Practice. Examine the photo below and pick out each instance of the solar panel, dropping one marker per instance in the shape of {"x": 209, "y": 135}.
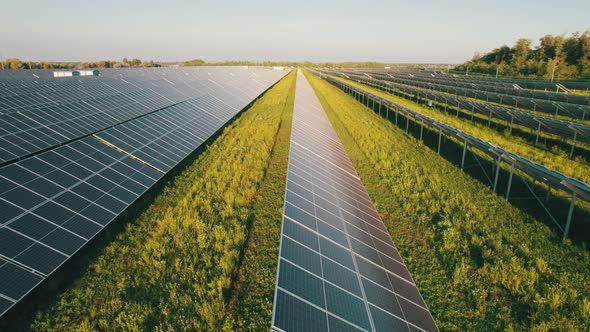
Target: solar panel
{"x": 54, "y": 202}
{"x": 164, "y": 138}
{"x": 338, "y": 267}
{"x": 60, "y": 199}
{"x": 37, "y": 114}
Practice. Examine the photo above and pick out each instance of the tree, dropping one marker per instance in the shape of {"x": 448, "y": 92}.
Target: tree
{"x": 135, "y": 63}
{"x": 195, "y": 62}
{"x": 555, "y": 56}
{"x": 521, "y": 52}
{"x": 13, "y": 64}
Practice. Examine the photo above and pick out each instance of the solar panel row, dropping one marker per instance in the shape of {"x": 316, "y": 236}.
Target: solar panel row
{"x": 54, "y": 202}
{"x": 338, "y": 267}
{"x": 505, "y": 88}
{"x": 574, "y": 111}
{"x": 35, "y": 117}
{"x": 478, "y": 91}
{"x": 536, "y": 123}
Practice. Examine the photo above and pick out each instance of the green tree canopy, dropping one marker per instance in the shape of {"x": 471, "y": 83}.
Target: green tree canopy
{"x": 558, "y": 56}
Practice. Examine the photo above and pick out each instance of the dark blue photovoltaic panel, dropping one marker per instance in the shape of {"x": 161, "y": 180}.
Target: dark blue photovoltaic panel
{"x": 337, "y": 261}
{"x": 41, "y": 113}
{"x": 77, "y": 152}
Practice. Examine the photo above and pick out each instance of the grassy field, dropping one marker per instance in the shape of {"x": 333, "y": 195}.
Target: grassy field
{"x": 250, "y": 308}
{"x": 481, "y": 264}
{"x": 173, "y": 267}
{"x": 555, "y": 158}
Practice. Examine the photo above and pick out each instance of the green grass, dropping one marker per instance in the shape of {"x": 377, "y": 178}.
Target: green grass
{"x": 556, "y": 159}
{"x": 250, "y": 308}
{"x": 481, "y": 264}
{"x": 580, "y": 92}
{"x": 172, "y": 268}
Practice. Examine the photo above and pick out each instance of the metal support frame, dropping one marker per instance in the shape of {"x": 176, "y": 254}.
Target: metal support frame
{"x": 569, "y": 216}
{"x": 439, "y": 139}
{"x": 573, "y": 145}
{"x": 510, "y": 181}
{"x": 421, "y": 129}
{"x": 497, "y": 172}
{"x": 463, "y": 157}
{"x": 538, "y": 133}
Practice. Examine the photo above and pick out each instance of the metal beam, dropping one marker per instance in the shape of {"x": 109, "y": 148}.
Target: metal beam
{"x": 464, "y": 153}
{"x": 439, "y": 139}
{"x": 569, "y": 216}
{"x": 509, "y": 181}
{"x": 497, "y": 172}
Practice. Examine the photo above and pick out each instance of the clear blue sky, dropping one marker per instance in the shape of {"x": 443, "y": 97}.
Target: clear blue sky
{"x": 333, "y": 30}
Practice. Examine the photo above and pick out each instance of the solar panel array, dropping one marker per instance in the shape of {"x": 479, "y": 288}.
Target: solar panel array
{"x": 40, "y": 113}
{"x": 338, "y": 267}
{"x": 499, "y": 87}
{"x": 527, "y": 83}
{"x": 535, "y": 170}
{"x": 580, "y": 110}
{"x": 535, "y": 122}
{"x": 118, "y": 143}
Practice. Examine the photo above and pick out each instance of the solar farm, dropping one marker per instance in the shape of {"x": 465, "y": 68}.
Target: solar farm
{"x": 293, "y": 199}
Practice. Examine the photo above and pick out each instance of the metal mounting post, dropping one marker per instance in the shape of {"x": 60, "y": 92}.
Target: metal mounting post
{"x": 439, "y": 139}
{"x": 569, "y": 216}
{"x": 421, "y": 129}
{"x": 509, "y": 181}
{"x": 538, "y": 133}
{"x": 573, "y": 145}
{"x": 464, "y": 153}
{"x": 497, "y": 173}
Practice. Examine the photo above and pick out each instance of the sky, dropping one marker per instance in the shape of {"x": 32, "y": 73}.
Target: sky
{"x": 392, "y": 31}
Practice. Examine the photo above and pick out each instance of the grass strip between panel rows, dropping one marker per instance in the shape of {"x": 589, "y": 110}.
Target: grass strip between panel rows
{"x": 250, "y": 308}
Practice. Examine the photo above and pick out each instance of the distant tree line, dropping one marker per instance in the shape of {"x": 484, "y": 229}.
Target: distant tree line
{"x": 556, "y": 57}
{"x": 20, "y": 64}
{"x": 369, "y": 64}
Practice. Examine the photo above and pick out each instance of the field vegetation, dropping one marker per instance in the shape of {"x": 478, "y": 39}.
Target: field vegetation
{"x": 250, "y": 307}
{"x": 480, "y": 263}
